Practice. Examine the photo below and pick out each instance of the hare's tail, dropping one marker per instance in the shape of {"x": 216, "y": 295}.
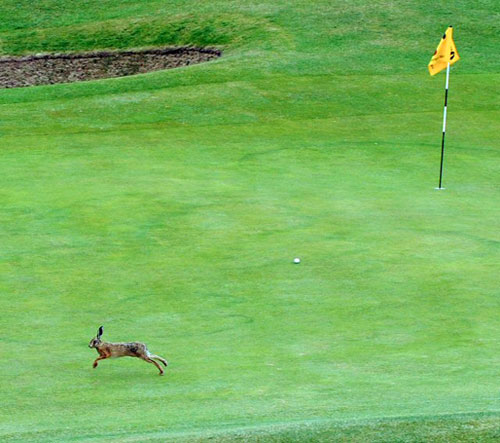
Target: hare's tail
{"x": 157, "y": 357}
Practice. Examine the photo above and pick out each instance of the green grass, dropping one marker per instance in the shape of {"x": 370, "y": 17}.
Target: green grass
{"x": 169, "y": 207}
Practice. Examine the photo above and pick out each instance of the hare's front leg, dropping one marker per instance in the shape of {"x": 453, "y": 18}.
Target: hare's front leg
{"x": 101, "y": 357}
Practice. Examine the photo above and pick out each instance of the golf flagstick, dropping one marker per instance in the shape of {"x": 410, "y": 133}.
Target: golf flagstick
{"x": 444, "y": 56}
{"x": 444, "y": 126}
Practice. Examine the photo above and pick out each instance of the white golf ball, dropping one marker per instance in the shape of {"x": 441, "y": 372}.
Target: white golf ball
{"x": 296, "y": 260}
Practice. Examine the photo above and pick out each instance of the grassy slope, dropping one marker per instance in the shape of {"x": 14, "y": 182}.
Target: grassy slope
{"x": 169, "y": 206}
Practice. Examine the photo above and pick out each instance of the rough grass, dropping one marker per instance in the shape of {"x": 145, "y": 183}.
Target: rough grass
{"x": 169, "y": 207}
{"x": 179, "y": 30}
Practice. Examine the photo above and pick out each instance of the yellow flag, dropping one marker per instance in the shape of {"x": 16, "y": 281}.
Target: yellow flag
{"x": 446, "y": 52}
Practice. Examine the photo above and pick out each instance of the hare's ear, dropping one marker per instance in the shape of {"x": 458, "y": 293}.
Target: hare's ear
{"x": 99, "y": 333}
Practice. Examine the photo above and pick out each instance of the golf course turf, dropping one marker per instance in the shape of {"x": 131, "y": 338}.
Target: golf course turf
{"x": 169, "y": 207}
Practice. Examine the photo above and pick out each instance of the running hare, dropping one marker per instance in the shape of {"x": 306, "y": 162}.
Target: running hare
{"x": 114, "y": 350}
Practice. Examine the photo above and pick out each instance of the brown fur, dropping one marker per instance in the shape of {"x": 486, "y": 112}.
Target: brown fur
{"x": 115, "y": 350}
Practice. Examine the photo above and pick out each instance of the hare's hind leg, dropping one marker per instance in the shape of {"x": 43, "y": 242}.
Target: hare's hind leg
{"x": 157, "y": 357}
{"x": 149, "y": 360}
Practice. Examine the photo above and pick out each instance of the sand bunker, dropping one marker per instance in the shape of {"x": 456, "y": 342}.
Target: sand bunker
{"x": 47, "y": 69}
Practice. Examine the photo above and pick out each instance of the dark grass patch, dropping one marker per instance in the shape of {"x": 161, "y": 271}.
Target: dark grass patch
{"x": 44, "y": 69}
